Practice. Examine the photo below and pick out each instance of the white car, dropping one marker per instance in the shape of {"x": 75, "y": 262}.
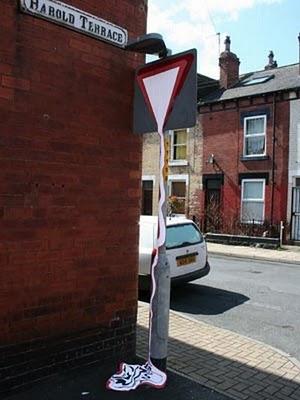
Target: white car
{"x": 185, "y": 247}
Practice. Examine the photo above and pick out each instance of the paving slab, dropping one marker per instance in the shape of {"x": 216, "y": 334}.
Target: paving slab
{"x": 227, "y": 362}
{"x": 89, "y": 384}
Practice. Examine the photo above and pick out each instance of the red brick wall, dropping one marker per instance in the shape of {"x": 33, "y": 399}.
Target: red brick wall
{"x": 223, "y": 137}
{"x": 70, "y": 175}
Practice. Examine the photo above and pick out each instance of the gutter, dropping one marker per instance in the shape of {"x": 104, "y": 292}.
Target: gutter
{"x": 252, "y": 96}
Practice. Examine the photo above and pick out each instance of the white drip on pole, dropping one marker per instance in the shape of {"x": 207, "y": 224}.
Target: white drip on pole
{"x": 130, "y": 376}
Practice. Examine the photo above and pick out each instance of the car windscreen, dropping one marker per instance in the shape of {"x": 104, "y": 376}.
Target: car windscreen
{"x": 182, "y": 235}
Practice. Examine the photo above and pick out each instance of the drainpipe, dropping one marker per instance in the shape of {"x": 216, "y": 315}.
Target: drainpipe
{"x": 239, "y": 137}
{"x": 273, "y": 157}
{"x": 299, "y": 51}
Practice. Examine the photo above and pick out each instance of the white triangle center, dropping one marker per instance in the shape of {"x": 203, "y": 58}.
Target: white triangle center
{"x": 159, "y": 88}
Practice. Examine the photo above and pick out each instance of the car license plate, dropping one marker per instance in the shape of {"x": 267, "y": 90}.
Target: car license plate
{"x": 186, "y": 260}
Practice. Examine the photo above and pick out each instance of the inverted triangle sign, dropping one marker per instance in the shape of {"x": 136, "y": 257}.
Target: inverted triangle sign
{"x": 159, "y": 89}
{"x": 161, "y": 83}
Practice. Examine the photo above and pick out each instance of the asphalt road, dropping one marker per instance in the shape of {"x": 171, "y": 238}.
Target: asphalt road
{"x": 257, "y": 299}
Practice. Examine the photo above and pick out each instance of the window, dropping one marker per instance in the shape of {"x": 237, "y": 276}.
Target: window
{"x": 256, "y": 80}
{"x": 147, "y": 197}
{"x": 182, "y": 235}
{"x": 177, "y": 193}
{"x": 255, "y": 136}
{"x": 179, "y": 145}
{"x": 253, "y": 200}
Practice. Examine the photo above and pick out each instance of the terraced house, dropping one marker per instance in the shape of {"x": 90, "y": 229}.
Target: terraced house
{"x": 247, "y": 124}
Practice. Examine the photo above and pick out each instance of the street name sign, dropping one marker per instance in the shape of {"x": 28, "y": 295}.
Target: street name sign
{"x": 78, "y": 20}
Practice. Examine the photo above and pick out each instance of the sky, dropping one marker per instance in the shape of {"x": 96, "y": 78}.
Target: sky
{"x": 255, "y": 27}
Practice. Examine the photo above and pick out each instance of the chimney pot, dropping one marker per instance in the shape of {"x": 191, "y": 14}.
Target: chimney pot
{"x": 227, "y": 43}
{"x": 272, "y": 63}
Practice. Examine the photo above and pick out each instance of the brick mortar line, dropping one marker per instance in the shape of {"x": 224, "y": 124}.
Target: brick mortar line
{"x": 293, "y": 360}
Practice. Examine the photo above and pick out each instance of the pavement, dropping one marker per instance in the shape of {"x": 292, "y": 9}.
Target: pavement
{"x": 286, "y": 254}
{"x": 229, "y": 363}
{"x": 204, "y": 362}
{"x": 88, "y": 383}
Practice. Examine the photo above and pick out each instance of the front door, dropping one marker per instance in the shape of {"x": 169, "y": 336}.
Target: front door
{"x": 213, "y": 217}
{"x": 295, "y": 231}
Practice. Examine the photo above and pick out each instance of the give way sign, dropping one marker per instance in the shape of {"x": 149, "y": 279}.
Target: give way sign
{"x": 165, "y": 94}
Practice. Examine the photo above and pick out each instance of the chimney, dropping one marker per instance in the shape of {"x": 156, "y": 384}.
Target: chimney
{"x": 272, "y": 63}
{"x": 229, "y": 67}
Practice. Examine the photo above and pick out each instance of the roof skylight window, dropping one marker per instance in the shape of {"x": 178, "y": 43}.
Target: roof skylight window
{"x": 257, "y": 79}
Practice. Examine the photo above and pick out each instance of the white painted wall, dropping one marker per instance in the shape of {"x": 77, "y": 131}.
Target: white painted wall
{"x": 294, "y": 150}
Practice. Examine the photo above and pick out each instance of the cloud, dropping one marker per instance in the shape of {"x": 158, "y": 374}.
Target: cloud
{"x": 229, "y": 9}
{"x": 192, "y": 23}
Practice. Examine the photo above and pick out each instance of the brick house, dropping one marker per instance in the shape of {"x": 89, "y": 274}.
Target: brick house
{"x": 70, "y": 192}
{"x": 246, "y": 127}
